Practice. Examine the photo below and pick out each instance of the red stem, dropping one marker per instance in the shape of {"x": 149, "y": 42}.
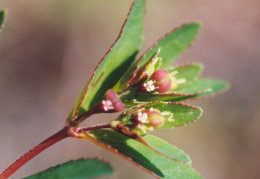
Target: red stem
{"x": 98, "y": 126}
{"x": 62, "y": 134}
{"x": 82, "y": 117}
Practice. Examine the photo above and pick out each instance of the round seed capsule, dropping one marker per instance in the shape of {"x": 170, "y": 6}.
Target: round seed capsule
{"x": 155, "y": 119}
{"x": 162, "y": 80}
{"x": 116, "y": 102}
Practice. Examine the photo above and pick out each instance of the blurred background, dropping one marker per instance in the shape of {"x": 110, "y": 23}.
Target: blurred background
{"x": 48, "y": 50}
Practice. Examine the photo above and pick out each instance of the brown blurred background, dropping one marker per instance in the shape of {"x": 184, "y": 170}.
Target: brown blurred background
{"x": 48, "y": 50}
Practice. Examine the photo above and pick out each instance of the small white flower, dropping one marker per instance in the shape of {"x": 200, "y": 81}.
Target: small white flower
{"x": 149, "y": 86}
{"x": 107, "y": 105}
{"x": 143, "y": 117}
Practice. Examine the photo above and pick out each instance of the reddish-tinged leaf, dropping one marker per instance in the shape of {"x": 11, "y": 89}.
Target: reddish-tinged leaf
{"x": 206, "y": 87}
{"x": 115, "y": 62}
{"x": 142, "y": 156}
{"x": 169, "y": 47}
{"x": 156, "y": 144}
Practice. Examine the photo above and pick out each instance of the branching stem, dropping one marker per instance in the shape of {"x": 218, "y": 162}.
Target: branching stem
{"x": 98, "y": 126}
{"x": 85, "y": 115}
{"x": 62, "y": 134}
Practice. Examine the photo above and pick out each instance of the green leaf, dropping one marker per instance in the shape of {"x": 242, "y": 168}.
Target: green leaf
{"x": 199, "y": 88}
{"x": 78, "y": 169}
{"x": 142, "y": 156}
{"x": 2, "y": 18}
{"x": 179, "y": 114}
{"x": 166, "y": 148}
{"x": 175, "y": 114}
{"x": 189, "y": 72}
{"x": 173, "y": 44}
{"x": 114, "y": 64}
{"x": 206, "y": 87}
{"x": 148, "y": 97}
{"x": 169, "y": 47}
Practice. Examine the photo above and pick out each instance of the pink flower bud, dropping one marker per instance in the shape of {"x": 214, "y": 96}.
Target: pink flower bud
{"x": 162, "y": 80}
{"x": 116, "y": 102}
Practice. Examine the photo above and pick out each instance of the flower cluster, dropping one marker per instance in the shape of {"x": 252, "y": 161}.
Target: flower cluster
{"x": 150, "y": 79}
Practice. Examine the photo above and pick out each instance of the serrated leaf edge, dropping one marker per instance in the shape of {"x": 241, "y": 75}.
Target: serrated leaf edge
{"x": 191, "y": 106}
{"x": 140, "y": 139}
{"x": 111, "y": 47}
{"x": 115, "y": 151}
{"x": 225, "y": 89}
{"x": 156, "y": 42}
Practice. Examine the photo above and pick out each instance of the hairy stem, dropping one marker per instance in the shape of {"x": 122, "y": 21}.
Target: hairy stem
{"x": 62, "y": 134}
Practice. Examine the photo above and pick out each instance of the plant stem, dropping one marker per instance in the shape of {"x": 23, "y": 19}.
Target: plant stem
{"x": 98, "y": 126}
{"x": 82, "y": 117}
{"x": 62, "y": 134}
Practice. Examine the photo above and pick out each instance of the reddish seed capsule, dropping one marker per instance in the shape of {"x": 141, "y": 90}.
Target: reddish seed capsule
{"x": 152, "y": 118}
{"x": 116, "y": 102}
{"x": 118, "y": 105}
{"x": 162, "y": 80}
{"x": 155, "y": 119}
{"x": 111, "y": 95}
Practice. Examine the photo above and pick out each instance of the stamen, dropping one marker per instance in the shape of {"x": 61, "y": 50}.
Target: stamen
{"x": 149, "y": 86}
{"x": 174, "y": 73}
{"x": 107, "y": 105}
{"x": 181, "y": 81}
{"x": 143, "y": 117}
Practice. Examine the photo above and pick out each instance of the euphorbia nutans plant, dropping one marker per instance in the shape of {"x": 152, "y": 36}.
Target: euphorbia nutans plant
{"x": 146, "y": 92}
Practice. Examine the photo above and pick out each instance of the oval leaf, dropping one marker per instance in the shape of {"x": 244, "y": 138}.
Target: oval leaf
{"x": 175, "y": 114}
{"x": 188, "y": 72}
{"x": 205, "y": 87}
{"x": 180, "y": 114}
{"x": 169, "y": 47}
{"x": 114, "y": 64}
{"x": 173, "y": 44}
{"x": 199, "y": 88}
{"x": 142, "y": 156}
{"x": 166, "y": 148}
{"x": 148, "y": 97}
{"x": 78, "y": 169}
